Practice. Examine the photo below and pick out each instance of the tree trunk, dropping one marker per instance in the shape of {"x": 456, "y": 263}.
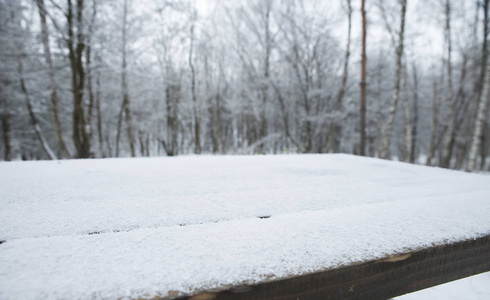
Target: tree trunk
{"x": 129, "y": 127}
{"x": 345, "y": 74}
{"x": 88, "y": 61}
{"x": 379, "y": 112}
{"x": 119, "y": 127}
{"x": 195, "y": 108}
{"x": 362, "y": 142}
{"x": 407, "y": 144}
{"x": 449, "y": 136}
{"x": 52, "y": 81}
{"x": 125, "y": 107}
{"x": 219, "y": 132}
{"x": 396, "y": 90}
{"x": 415, "y": 109}
{"x": 476, "y": 140}
{"x": 99, "y": 116}
{"x": 484, "y": 145}
{"x": 141, "y": 137}
{"x": 265, "y": 90}
{"x": 434, "y": 124}
{"x": 173, "y": 97}
{"x": 285, "y": 117}
{"x": 90, "y": 89}
{"x": 461, "y": 113}
{"x": 464, "y": 139}
{"x": 308, "y": 130}
{"x": 483, "y": 98}
{"x": 6, "y": 129}
{"x": 76, "y": 48}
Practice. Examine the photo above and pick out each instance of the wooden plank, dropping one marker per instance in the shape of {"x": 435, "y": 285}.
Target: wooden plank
{"x": 381, "y": 279}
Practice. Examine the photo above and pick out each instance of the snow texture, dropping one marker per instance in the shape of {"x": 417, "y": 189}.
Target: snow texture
{"x": 128, "y": 228}
{"x": 475, "y": 288}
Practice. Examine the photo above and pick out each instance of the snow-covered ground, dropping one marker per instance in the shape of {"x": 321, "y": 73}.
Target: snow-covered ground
{"x": 120, "y": 228}
{"x": 472, "y": 288}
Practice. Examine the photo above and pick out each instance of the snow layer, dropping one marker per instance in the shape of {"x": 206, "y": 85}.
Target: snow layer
{"x": 475, "y": 288}
{"x": 189, "y": 223}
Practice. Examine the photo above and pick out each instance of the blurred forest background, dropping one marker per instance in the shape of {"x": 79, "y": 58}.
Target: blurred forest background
{"x": 402, "y": 79}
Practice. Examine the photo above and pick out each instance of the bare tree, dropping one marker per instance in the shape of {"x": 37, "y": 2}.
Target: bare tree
{"x": 51, "y": 73}
{"x": 89, "y": 70}
{"x": 396, "y": 90}
{"x": 34, "y": 120}
{"x": 345, "y": 75}
{"x": 449, "y": 136}
{"x": 173, "y": 97}
{"x": 305, "y": 50}
{"x": 195, "y": 105}
{"x": 483, "y": 100}
{"x": 450, "y": 131}
{"x": 257, "y": 18}
{"x": 76, "y": 46}
{"x": 6, "y": 80}
{"x": 125, "y": 106}
{"x": 246, "y": 77}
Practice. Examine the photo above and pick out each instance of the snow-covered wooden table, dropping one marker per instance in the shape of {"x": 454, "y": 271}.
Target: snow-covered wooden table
{"x": 256, "y": 227}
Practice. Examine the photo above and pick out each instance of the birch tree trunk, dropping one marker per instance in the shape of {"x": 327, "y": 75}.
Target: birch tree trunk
{"x": 484, "y": 142}
{"x": 88, "y": 62}
{"x": 482, "y": 100}
{"x": 52, "y": 81}
{"x": 463, "y": 142}
{"x": 345, "y": 75}
{"x": 449, "y": 136}
{"x": 479, "y": 124}
{"x": 461, "y": 113}
{"x": 396, "y": 90}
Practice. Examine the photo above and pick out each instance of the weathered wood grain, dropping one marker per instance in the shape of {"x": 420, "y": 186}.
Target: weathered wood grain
{"x": 381, "y": 279}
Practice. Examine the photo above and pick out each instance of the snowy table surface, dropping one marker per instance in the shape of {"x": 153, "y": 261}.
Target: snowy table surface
{"x": 128, "y": 228}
